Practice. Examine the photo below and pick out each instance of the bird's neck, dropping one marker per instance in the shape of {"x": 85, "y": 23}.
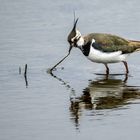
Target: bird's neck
{"x": 84, "y": 46}
{"x": 80, "y": 42}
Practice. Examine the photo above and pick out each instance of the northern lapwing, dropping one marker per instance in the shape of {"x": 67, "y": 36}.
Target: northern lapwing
{"x": 103, "y": 48}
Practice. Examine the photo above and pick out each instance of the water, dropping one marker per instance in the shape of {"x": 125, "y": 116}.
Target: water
{"x": 74, "y": 102}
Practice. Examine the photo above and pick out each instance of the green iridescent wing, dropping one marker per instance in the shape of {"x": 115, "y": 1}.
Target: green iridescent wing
{"x": 110, "y": 43}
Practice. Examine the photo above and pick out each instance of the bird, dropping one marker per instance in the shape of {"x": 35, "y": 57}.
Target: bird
{"x": 103, "y": 47}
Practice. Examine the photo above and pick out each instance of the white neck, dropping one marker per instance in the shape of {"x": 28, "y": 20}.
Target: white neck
{"x": 80, "y": 42}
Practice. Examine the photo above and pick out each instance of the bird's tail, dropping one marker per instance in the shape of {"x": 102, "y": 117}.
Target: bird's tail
{"x": 135, "y": 45}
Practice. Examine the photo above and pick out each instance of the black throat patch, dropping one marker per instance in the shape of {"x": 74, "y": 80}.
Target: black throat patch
{"x": 86, "y": 48}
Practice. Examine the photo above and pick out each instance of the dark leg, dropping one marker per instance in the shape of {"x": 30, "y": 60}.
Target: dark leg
{"x": 126, "y": 78}
{"x": 107, "y": 69}
{"x": 126, "y": 66}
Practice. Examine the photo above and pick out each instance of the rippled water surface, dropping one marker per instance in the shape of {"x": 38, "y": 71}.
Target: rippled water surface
{"x": 77, "y": 101}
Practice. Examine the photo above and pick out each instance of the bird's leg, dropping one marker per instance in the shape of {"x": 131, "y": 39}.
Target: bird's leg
{"x": 107, "y": 69}
{"x": 126, "y": 66}
{"x": 126, "y": 78}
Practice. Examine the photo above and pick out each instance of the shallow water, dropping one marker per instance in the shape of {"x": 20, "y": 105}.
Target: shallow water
{"x": 78, "y": 101}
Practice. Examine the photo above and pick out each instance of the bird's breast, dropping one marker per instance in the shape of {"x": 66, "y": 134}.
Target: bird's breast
{"x": 105, "y": 57}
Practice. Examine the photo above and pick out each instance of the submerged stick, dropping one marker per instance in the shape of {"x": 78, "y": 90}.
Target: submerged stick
{"x": 50, "y": 70}
{"x": 25, "y": 72}
{"x": 19, "y": 70}
{"x": 25, "y": 76}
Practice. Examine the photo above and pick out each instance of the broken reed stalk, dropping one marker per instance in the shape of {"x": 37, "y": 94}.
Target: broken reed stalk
{"x": 50, "y": 70}
{"x": 59, "y": 62}
{"x": 25, "y": 72}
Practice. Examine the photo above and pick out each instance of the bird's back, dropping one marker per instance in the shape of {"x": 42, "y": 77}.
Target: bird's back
{"x": 111, "y": 43}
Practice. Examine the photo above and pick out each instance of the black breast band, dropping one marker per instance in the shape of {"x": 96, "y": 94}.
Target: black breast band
{"x": 86, "y": 49}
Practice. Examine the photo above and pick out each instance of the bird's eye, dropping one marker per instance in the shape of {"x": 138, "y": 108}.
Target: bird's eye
{"x": 76, "y": 39}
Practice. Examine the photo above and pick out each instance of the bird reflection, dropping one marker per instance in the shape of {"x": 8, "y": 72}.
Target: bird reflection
{"x": 103, "y": 93}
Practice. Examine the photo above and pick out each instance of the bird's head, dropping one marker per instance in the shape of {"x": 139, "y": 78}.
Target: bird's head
{"x": 74, "y": 38}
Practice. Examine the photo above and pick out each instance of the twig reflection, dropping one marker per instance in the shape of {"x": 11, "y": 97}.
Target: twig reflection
{"x": 25, "y": 76}
{"x": 63, "y": 82}
{"x": 26, "y": 80}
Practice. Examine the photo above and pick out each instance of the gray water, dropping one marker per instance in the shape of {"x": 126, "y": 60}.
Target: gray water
{"x": 75, "y": 102}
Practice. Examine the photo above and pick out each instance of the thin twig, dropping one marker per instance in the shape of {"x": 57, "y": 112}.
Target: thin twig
{"x": 25, "y": 72}
{"x": 50, "y": 70}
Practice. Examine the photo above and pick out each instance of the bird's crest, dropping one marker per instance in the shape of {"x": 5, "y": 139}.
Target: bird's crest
{"x": 72, "y": 34}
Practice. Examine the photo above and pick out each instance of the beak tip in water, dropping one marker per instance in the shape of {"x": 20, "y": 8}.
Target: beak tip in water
{"x": 51, "y": 69}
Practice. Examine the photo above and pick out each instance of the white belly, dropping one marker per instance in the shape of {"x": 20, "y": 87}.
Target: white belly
{"x": 101, "y": 57}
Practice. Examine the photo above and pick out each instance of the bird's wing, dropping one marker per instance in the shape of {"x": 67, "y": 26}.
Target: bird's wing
{"x": 109, "y": 43}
